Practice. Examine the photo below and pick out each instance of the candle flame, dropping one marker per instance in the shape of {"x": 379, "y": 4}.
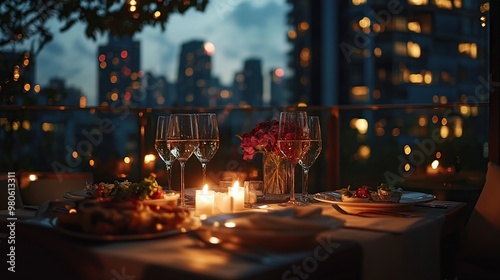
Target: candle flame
{"x": 435, "y": 164}
{"x": 205, "y": 189}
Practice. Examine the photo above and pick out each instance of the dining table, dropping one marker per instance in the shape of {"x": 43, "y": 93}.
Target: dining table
{"x": 403, "y": 244}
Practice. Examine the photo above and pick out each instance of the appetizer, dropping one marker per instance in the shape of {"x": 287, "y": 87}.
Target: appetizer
{"x": 383, "y": 193}
{"x": 123, "y": 217}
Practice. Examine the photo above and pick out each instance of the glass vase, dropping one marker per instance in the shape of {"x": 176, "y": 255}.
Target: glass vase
{"x": 274, "y": 176}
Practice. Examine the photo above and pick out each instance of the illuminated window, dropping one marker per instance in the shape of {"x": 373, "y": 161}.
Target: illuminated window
{"x": 443, "y": 4}
{"x": 468, "y": 49}
{"x": 418, "y": 2}
{"x": 360, "y": 93}
{"x": 358, "y": 2}
{"x": 414, "y": 26}
{"x": 413, "y": 49}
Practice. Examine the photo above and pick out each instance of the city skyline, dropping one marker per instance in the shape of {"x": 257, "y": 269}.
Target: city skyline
{"x": 254, "y": 25}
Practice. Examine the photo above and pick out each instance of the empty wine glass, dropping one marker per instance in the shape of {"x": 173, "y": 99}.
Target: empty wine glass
{"x": 293, "y": 140}
{"x": 309, "y": 157}
{"x": 161, "y": 147}
{"x": 208, "y": 134}
{"x": 182, "y": 140}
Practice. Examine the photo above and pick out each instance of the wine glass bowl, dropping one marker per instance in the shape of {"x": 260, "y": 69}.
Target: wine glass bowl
{"x": 310, "y": 156}
{"x": 161, "y": 147}
{"x": 293, "y": 142}
{"x": 182, "y": 141}
{"x": 208, "y": 134}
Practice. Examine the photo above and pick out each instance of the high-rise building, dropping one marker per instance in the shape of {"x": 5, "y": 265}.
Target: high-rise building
{"x": 119, "y": 72}
{"x": 253, "y": 88}
{"x": 158, "y": 91}
{"x": 194, "y": 73}
{"x": 380, "y": 52}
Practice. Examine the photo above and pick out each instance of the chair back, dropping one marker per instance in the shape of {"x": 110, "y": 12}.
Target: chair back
{"x": 483, "y": 227}
{"x": 39, "y": 187}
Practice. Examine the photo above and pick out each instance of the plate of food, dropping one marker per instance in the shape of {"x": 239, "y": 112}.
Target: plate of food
{"x": 147, "y": 190}
{"x": 113, "y": 220}
{"x": 383, "y": 197}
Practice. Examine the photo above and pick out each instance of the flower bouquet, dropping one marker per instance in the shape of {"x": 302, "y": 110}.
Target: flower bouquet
{"x": 264, "y": 139}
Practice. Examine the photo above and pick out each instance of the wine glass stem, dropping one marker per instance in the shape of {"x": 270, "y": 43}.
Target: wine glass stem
{"x": 183, "y": 202}
{"x": 292, "y": 182}
{"x": 305, "y": 182}
{"x": 169, "y": 176}
{"x": 204, "y": 167}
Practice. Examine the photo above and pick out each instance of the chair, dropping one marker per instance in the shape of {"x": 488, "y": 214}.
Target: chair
{"x": 480, "y": 256}
{"x": 38, "y": 187}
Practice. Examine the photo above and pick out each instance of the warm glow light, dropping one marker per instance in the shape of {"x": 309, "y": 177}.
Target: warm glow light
{"x": 364, "y": 152}
{"x": 377, "y": 52}
{"x": 407, "y": 150}
{"x": 224, "y": 94}
{"x": 149, "y": 158}
{"x": 126, "y": 160}
{"x": 303, "y": 26}
{"x": 422, "y": 121}
{"x": 358, "y": 2}
{"x": 361, "y": 125}
{"x": 413, "y": 49}
{"x": 435, "y": 164}
{"x": 26, "y": 125}
{"x": 292, "y": 34}
{"x": 91, "y": 162}
{"x": 414, "y": 26}
{"x": 230, "y": 224}
{"x": 444, "y": 132}
{"x": 416, "y": 78}
{"x": 418, "y": 2}
{"x": 279, "y": 72}
{"x": 205, "y": 189}
{"x": 32, "y": 177}
{"x": 444, "y": 4}
{"x": 364, "y": 22}
{"x": 157, "y": 14}
{"x": 209, "y": 48}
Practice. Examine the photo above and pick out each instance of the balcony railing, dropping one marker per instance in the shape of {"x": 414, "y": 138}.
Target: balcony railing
{"x": 428, "y": 147}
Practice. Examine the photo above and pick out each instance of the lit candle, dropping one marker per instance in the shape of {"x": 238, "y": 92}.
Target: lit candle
{"x": 238, "y": 195}
{"x": 204, "y": 201}
{"x": 223, "y": 203}
{"x": 433, "y": 168}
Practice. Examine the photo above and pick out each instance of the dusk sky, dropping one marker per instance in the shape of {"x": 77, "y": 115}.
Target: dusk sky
{"x": 239, "y": 29}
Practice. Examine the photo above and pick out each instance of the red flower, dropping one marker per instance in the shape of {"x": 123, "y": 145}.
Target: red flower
{"x": 261, "y": 139}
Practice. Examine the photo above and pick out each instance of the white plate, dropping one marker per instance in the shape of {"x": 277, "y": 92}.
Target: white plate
{"x": 282, "y": 235}
{"x": 121, "y": 237}
{"x": 407, "y": 200}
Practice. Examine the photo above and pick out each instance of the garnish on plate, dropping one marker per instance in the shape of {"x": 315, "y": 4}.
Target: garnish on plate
{"x": 360, "y": 195}
{"x": 383, "y": 193}
{"x": 146, "y": 189}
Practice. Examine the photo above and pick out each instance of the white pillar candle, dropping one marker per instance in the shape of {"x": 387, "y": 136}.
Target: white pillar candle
{"x": 204, "y": 201}
{"x": 223, "y": 203}
{"x": 238, "y": 195}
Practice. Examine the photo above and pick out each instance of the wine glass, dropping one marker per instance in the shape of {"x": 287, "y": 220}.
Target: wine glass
{"x": 293, "y": 141}
{"x": 309, "y": 157}
{"x": 161, "y": 147}
{"x": 208, "y": 134}
{"x": 182, "y": 140}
